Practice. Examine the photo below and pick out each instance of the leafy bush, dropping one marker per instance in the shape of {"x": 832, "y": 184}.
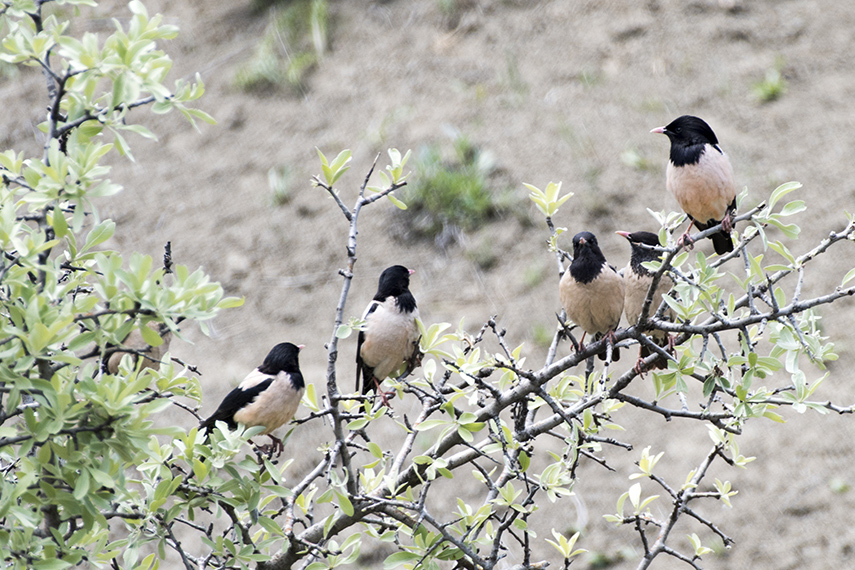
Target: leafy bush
{"x": 446, "y": 196}
{"x": 295, "y": 41}
{"x": 772, "y": 86}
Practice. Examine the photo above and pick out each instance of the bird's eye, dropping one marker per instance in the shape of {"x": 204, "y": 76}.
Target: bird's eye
{"x": 678, "y": 129}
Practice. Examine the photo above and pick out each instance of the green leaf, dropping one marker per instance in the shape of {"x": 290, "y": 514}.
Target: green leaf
{"x": 358, "y": 424}
{"x": 793, "y": 207}
{"x": 201, "y": 115}
{"x": 345, "y": 504}
{"x": 340, "y": 160}
{"x": 321, "y": 156}
{"x": 398, "y": 204}
{"x": 60, "y": 224}
{"x": 782, "y": 191}
{"x": 51, "y": 564}
{"x": 271, "y": 526}
{"x": 848, "y": 277}
{"x": 430, "y": 424}
{"x": 99, "y": 234}
{"x": 230, "y": 302}
{"x": 343, "y": 331}
{"x": 524, "y": 460}
{"x": 200, "y": 470}
{"x": 790, "y": 230}
{"x": 151, "y": 336}
{"x": 400, "y": 558}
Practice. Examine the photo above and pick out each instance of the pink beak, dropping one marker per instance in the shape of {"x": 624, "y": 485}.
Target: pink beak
{"x": 411, "y": 271}
{"x": 301, "y": 346}
{"x": 624, "y": 234}
{"x": 658, "y": 130}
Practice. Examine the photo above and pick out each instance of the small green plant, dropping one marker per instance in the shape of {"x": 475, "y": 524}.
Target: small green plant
{"x": 279, "y": 180}
{"x": 534, "y": 275}
{"x": 634, "y": 159}
{"x": 772, "y": 86}
{"x": 452, "y": 11}
{"x": 513, "y": 76}
{"x": 483, "y": 255}
{"x": 447, "y": 195}
{"x": 541, "y": 335}
{"x": 295, "y": 41}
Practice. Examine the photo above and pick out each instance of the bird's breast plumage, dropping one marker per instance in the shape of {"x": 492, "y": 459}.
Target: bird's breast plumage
{"x": 597, "y": 305}
{"x": 273, "y": 407}
{"x": 390, "y": 337}
{"x": 636, "y": 289}
{"x": 703, "y": 189}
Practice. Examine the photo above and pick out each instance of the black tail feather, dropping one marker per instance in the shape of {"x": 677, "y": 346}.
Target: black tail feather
{"x": 659, "y": 364}
{"x": 602, "y": 354}
{"x": 722, "y": 242}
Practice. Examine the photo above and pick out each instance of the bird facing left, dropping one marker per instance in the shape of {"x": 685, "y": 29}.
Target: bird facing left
{"x": 268, "y": 396}
{"x": 700, "y": 177}
{"x": 638, "y": 280}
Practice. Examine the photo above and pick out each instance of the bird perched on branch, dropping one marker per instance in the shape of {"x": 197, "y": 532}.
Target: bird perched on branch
{"x": 591, "y": 290}
{"x": 135, "y": 345}
{"x": 268, "y": 396}
{"x": 700, "y": 176}
{"x": 390, "y": 337}
{"x": 638, "y": 280}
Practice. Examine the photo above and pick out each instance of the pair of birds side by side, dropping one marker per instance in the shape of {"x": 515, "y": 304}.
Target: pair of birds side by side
{"x": 595, "y": 295}
{"x": 700, "y": 177}
{"x": 270, "y": 394}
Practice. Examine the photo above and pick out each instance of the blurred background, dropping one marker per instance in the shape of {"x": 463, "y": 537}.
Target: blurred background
{"x": 489, "y": 94}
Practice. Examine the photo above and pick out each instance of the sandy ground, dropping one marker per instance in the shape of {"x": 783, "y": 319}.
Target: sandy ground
{"x": 556, "y": 91}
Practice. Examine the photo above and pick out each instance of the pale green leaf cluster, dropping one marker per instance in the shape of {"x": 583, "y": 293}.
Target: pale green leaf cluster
{"x": 697, "y": 546}
{"x": 639, "y": 505}
{"x": 548, "y": 201}
{"x": 566, "y": 546}
{"x": 334, "y": 170}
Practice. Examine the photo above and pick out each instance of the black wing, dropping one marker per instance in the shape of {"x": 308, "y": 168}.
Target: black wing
{"x": 366, "y": 372}
{"x": 235, "y": 401}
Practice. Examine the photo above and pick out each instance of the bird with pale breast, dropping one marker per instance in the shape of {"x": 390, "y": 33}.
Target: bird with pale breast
{"x": 638, "y": 280}
{"x": 390, "y": 337}
{"x": 700, "y": 177}
{"x": 268, "y": 396}
{"x": 591, "y": 291}
{"x": 135, "y": 345}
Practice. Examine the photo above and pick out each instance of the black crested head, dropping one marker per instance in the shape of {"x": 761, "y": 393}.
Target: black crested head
{"x": 642, "y": 254}
{"x": 688, "y": 135}
{"x": 284, "y": 357}
{"x": 395, "y": 282}
{"x": 588, "y": 260}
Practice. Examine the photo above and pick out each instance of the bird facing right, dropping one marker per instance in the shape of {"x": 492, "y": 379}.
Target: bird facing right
{"x": 700, "y": 176}
{"x": 268, "y": 396}
{"x": 591, "y": 290}
{"x": 391, "y": 336}
{"x": 638, "y": 280}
